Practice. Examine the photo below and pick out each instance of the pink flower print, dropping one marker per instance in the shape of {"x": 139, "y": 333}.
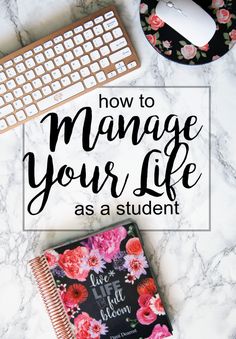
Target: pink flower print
{"x": 146, "y": 316}
{"x": 189, "y": 52}
{"x": 71, "y": 261}
{"x": 108, "y": 243}
{"x": 223, "y": 16}
{"x": 160, "y": 332}
{"x": 156, "y": 305}
{"x": 136, "y": 264}
{"x": 217, "y": 4}
{"x": 52, "y": 257}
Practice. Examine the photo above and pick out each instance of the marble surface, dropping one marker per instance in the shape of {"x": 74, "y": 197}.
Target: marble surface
{"x": 196, "y": 270}
{"x": 59, "y": 211}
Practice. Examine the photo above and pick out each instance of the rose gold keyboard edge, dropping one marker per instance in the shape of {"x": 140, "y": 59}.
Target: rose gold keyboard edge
{"x": 81, "y": 21}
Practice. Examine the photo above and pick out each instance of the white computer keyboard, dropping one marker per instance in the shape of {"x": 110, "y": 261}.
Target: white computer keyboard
{"x": 64, "y": 65}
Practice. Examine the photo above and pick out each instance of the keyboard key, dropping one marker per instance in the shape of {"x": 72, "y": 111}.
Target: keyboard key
{"x": 8, "y": 64}
{"x": 38, "y": 49}
{"x": 11, "y": 120}
{"x": 6, "y": 110}
{"x": 88, "y": 46}
{"x": 110, "y": 24}
{"x": 78, "y": 51}
{"x": 95, "y": 67}
{"x": 112, "y": 74}
{"x": 118, "y": 44}
{"x": 2, "y": 89}
{"x": 28, "y": 54}
{"x": 120, "y": 64}
{"x": 117, "y": 32}
{"x": 104, "y": 50}
{"x": 65, "y": 81}
{"x": 85, "y": 60}
{"x": 30, "y": 63}
{"x": 17, "y": 59}
{"x": 101, "y": 76}
{"x": 31, "y": 110}
{"x": 2, "y": 77}
{"x": 3, "y": 124}
{"x": 18, "y": 92}
{"x": 59, "y": 49}
{"x": 68, "y": 56}
{"x": 8, "y": 97}
{"x": 46, "y": 90}
{"x": 37, "y": 95}
{"x": 58, "y": 39}
{"x": 27, "y": 100}
{"x": 75, "y": 64}
{"x": 78, "y": 39}
{"x": 88, "y": 24}
{"x": 85, "y": 72}
{"x": 49, "y": 65}
{"x": 132, "y": 64}
{"x": 109, "y": 15}
{"x": 90, "y": 82}
{"x": 68, "y": 34}
{"x": 49, "y": 53}
{"x": 20, "y": 115}
{"x": 104, "y": 62}
{"x": 18, "y": 104}
{"x": 95, "y": 55}
{"x": 56, "y": 74}
{"x": 39, "y": 58}
{"x": 48, "y": 44}
{"x": 107, "y": 37}
{"x": 69, "y": 44}
{"x": 37, "y": 83}
{"x": 78, "y": 29}
{"x": 120, "y": 55}
{"x": 61, "y": 96}
{"x": 20, "y": 68}
{"x": 11, "y": 72}
{"x": 39, "y": 70}
{"x": 11, "y": 84}
{"x": 75, "y": 76}
{"x": 98, "y": 30}
{"x": 121, "y": 69}
{"x": 88, "y": 34}
{"x": 56, "y": 86}
{"x": 99, "y": 19}
{"x": 30, "y": 75}
{"x": 20, "y": 79}
{"x": 46, "y": 78}
{"x": 59, "y": 61}
{"x": 27, "y": 88}
{"x": 98, "y": 42}
{"x": 2, "y": 103}
{"x": 66, "y": 69}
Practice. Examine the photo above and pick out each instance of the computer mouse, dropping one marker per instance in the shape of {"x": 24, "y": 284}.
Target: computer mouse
{"x": 188, "y": 19}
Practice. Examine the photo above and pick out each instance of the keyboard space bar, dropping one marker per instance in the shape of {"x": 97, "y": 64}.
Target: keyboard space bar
{"x": 60, "y": 96}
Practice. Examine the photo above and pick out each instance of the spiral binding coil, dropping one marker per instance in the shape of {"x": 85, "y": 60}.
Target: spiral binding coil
{"x": 51, "y": 298}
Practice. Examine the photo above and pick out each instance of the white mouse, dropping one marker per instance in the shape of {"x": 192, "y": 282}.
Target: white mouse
{"x": 188, "y": 19}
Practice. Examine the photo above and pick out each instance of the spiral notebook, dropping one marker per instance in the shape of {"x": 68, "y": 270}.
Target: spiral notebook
{"x": 102, "y": 287}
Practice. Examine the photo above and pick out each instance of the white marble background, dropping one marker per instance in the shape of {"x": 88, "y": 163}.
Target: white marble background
{"x": 196, "y": 270}
{"x": 59, "y": 212}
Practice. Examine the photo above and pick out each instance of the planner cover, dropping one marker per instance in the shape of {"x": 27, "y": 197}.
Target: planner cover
{"x": 102, "y": 287}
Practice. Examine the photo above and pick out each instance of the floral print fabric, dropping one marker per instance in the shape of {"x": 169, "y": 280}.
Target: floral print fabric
{"x": 175, "y": 47}
{"x": 113, "y": 257}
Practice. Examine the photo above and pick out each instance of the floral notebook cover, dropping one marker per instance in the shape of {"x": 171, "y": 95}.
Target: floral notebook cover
{"x": 107, "y": 288}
